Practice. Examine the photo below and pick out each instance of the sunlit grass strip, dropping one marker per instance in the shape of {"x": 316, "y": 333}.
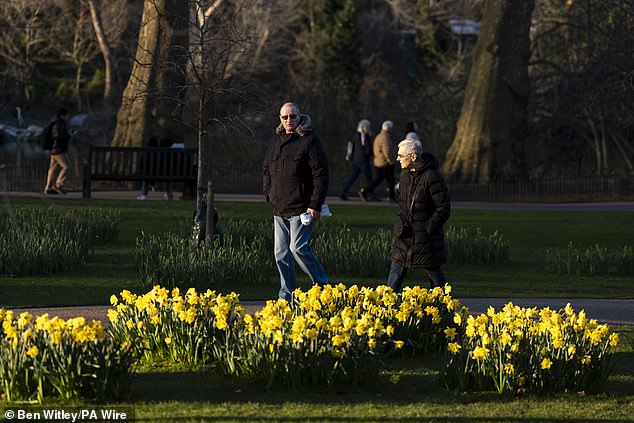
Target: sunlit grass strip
{"x": 174, "y": 261}
{"x": 465, "y": 247}
{"x": 40, "y": 242}
{"x": 525, "y": 349}
{"x": 345, "y": 251}
{"x": 163, "y": 326}
{"x": 243, "y": 254}
{"x": 595, "y": 260}
{"x": 51, "y": 357}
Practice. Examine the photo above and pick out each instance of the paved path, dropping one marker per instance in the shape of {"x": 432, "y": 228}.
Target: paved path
{"x": 613, "y": 312}
{"x": 624, "y": 206}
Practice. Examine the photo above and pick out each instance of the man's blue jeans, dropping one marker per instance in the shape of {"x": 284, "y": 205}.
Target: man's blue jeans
{"x": 435, "y": 276}
{"x": 291, "y": 242}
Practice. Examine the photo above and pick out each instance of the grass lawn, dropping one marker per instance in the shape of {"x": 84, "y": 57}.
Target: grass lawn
{"x": 172, "y": 394}
{"x": 529, "y": 234}
{"x": 197, "y": 395}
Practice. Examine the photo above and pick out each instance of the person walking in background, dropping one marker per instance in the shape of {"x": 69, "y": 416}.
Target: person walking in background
{"x": 384, "y": 159}
{"x": 295, "y": 182}
{"x": 411, "y": 131}
{"x": 359, "y": 153}
{"x": 424, "y": 207}
{"x": 147, "y": 165}
{"x": 59, "y": 154}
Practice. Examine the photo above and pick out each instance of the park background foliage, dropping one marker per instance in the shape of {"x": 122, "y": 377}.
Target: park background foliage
{"x": 347, "y": 61}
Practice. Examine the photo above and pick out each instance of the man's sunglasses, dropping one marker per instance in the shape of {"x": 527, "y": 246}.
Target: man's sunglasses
{"x": 287, "y": 117}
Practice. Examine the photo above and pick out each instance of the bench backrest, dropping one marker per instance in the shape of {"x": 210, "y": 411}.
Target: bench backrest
{"x": 142, "y": 163}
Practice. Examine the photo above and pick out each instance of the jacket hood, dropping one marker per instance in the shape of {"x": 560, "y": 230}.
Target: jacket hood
{"x": 427, "y": 161}
{"x": 304, "y": 127}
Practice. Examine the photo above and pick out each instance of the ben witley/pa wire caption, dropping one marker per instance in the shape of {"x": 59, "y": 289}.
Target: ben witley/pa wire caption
{"x": 92, "y": 414}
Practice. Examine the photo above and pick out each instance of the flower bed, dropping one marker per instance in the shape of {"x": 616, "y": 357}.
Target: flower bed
{"x": 336, "y": 334}
{"x": 327, "y": 335}
{"x": 164, "y": 326}
{"x": 51, "y": 357}
{"x": 525, "y": 349}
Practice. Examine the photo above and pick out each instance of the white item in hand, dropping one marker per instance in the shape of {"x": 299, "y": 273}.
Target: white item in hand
{"x": 306, "y": 218}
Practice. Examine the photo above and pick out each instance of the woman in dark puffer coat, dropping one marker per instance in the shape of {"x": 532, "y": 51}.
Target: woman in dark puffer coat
{"x": 424, "y": 207}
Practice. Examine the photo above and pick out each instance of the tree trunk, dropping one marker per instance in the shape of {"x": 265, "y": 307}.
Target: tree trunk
{"x": 152, "y": 100}
{"x": 106, "y": 52}
{"x": 77, "y": 85}
{"x": 489, "y": 140}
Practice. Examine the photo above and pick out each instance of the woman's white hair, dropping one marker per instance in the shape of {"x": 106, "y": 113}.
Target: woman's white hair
{"x": 412, "y": 136}
{"x": 410, "y": 146}
{"x": 363, "y": 126}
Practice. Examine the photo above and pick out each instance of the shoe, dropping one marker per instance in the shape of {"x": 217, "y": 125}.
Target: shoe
{"x": 363, "y": 194}
{"x": 50, "y": 191}
{"x": 60, "y": 190}
{"x": 344, "y": 197}
{"x": 141, "y": 197}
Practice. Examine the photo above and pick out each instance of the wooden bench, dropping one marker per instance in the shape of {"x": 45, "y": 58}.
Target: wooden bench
{"x": 139, "y": 164}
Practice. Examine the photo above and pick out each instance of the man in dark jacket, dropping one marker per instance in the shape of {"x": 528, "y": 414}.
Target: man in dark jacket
{"x": 59, "y": 154}
{"x": 424, "y": 207}
{"x": 295, "y": 182}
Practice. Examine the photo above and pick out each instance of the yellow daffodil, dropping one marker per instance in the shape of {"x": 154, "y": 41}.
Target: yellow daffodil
{"x": 450, "y": 333}
{"x": 480, "y": 353}
{"x": 337, "y": 340}
{"x": 24, "y": 319}
{"x": 33, "y": 351}
{"x": 572, "y": 349}
{"x": 454, "y": 347}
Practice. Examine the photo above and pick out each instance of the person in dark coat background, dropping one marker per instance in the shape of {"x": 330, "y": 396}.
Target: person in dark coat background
{"x": 424, "y": 207}
{"x": 359, "y": 153}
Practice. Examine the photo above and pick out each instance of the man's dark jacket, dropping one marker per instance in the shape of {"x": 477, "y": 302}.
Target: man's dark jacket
{"x": 425, "y": 245}
{"x": 295, "y": 171}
